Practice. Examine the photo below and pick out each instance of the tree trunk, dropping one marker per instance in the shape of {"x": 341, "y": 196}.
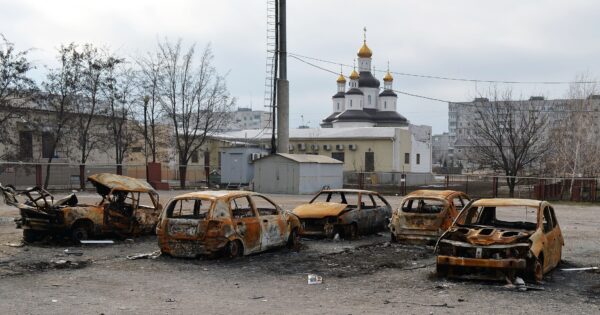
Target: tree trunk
{"x": 47, "y": 179}
{"x": 182, "y": 175}
{"x": 511, "y": 181}
{"x": 82, "y": 177}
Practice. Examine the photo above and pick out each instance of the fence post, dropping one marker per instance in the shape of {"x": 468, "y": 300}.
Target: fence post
{"x": 403, "y": 180}
{"x": 447, "y": 180}
{"x": 593, "y": 190}
{"x": 494, "y": 186}
{"x": 38, "y": 175}
{"x": 467, "y": 186}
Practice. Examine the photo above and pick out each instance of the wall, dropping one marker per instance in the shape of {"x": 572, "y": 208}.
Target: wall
{"x": 236, "y": 166}
{"x": 314, "y": 176}
{"x": 276, "y": 175}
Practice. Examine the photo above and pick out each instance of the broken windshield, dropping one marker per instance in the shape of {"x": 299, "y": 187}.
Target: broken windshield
{"x": 349, "y": 198}
{"x": 516, "y": 217}
{"x": 423, "y": 205}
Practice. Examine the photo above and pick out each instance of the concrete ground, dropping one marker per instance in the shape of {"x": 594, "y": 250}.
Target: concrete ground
{"x": 367, "y": 275}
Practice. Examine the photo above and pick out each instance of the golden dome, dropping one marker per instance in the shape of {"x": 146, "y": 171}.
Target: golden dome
{"x": 354, "y": 75}
{"x": 365, "y": 51}
{"x": 341, "y": 79}
{"x": 388, "y": 77}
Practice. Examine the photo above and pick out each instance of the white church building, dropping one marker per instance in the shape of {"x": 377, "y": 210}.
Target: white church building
{"x": 363, "y": 104}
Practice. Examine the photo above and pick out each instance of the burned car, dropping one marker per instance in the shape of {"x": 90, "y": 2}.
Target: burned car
{"x": 425, "y": 214}
{"x": 348, "y": 212}
{"x": 498, "y": 238}
{"x": 119, "y": 212}
{"x": 233, "y": 223}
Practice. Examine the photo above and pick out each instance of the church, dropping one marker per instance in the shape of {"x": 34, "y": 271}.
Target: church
{"x": 363, "y": 105}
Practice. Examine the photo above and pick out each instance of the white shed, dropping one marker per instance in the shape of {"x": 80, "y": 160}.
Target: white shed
{"x": 296, "y": 173}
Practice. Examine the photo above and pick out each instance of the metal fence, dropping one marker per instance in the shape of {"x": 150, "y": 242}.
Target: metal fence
{"x": 477, "y": 186}
{"x": 67, "y": 176}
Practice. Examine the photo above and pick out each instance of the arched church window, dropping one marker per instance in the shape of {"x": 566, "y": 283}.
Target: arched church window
{"x": 385, "y": 104}
{"x": 350, "y": 103}
{"x": 369, "y": 99}
{"x": 338, "y": 105}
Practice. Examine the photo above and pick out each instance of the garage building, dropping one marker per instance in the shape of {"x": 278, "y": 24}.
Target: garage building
{"x": 296, "y": 173}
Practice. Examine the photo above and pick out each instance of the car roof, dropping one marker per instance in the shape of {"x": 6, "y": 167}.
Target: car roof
{"x": 490, "y": 202}
{"x": 350, "y": 191}
{"x": 215, "y": 194}
{"x": 442, "y": 194}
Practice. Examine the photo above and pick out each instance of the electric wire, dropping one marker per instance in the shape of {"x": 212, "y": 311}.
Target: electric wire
{"x": 439, "y": 99}
{"x": 449, "y": 78}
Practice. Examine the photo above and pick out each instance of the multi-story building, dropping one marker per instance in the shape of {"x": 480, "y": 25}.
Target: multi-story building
{"x": 246, "y": 118}
{"x": 439, "y": 149}
{"x": 461, "y": 117}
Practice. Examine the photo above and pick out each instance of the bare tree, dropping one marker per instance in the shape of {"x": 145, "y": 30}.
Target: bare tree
{"x": 150, "y": 78}
{"x": 16, "y": 89}
{"x": 119, "y": 94}
{"x": 194, "y": 98}
{"x": 61, "y": 89}
{"x": 86, "y": 110}
{"x": 575, "y": 133}
{"x": 508, "y": 136}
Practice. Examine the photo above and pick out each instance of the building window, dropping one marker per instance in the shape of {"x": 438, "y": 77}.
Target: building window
{"x": 338, "y": 105}
{"x": 338, "y": 156}
{"x": 25, "y": 145}
{"x": 418, "y": 158}
{"x": 47, "y": 145}
{"x": 195, "y": 156}
{"x": 350, "y": 103}
{"x": 369, "y": 99}
{"x": 385, "y": 104}
{"x": 406, "y": 158}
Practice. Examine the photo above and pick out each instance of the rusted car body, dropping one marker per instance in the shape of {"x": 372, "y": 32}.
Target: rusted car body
{"x": 119, "y": 211}
{"x": 498, "y": 238}
{"x": 348, "y": 212}
{"x": 424, "y": 215}
{"x": 233, "y": 223}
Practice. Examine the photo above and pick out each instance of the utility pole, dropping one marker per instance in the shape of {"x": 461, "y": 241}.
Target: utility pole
{"x": 146, "y": 100}
{"x": 283, "y": 98}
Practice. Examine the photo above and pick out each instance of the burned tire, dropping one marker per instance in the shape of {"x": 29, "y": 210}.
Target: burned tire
{"x": 234, "y": 249}
{"x": 351, "y": 232}
{"x": 293, "y": 241}
{"x": 31, "y": 236}
{"x": 79, "y": 233}
{"x": 441, "y": 271}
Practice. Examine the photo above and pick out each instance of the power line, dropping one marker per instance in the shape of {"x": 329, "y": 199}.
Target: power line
{"x": 450, "y": 78}
{"x": 446, "y": 101}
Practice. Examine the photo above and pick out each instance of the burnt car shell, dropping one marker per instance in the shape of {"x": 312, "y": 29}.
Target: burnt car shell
{"x": 234, "y": 223}
{"x": 481, "y": 246}
{"x": 368, "y": 213}
{"x": 424, "y": 215}
{"x": 42, "y": 215}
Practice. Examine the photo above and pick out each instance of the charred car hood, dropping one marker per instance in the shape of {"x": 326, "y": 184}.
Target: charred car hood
{"x": 105, "y": 182}
{"x": 484, "y": 236}
{"x": 318, "y": 210}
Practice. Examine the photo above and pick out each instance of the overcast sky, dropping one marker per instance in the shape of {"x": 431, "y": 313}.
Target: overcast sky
{"x": 489, "y": 40}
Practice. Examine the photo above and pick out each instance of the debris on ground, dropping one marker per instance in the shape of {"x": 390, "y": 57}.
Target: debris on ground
{"x": 170, "y": 300}
{"x": 21, "y": 244}
{"x": 73, "y": 252}
{"x": 97, "y": 242}
{"x": 336, "y": 237}
{"x": 315, "y": 279}
{"x": 152, "y": 255}
{"x": 580, "y": 269}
